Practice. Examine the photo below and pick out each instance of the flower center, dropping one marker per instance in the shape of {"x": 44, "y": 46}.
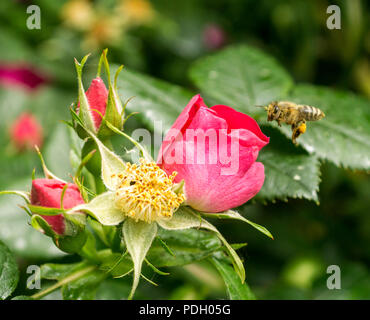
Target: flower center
{"x": 145, "y": 192}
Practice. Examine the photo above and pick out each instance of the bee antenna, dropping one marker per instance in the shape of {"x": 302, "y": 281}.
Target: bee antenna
{"x": 262, "y": 107}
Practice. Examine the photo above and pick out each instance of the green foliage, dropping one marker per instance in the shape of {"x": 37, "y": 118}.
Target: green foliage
{"x": 9, "y": 274}
{"x": 83, "y": 288}
{"x": 186, "y": 247}
{"x": 78, "y": 281}
{"x": 241, "y": 77}
{"x": 289, "y": 171}
{"x": 55, "y": 271}
{"x": 154, "y": 99}
{"x": 236, "y": 290}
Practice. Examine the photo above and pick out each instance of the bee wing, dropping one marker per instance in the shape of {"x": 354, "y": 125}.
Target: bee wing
{"x": 287, "y": 104}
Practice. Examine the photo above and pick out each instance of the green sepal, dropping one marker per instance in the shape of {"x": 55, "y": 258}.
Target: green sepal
{"x": 45, "y": 211}
{"x": 75, "y": 235}
{"x": 40, "y": 224}
{"x": 71, "y": 244}
{"x": 113, "y": 113}
{"x": 84, "y": 108}
{"x": 48, "y": 174}
{"x": 23, "y": 194}
{"x": 138, "y": 238}
{"x": 230, "y": 214}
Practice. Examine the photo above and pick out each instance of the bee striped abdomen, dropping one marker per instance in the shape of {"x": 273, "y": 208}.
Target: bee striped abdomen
{"x": 311, "y": 113}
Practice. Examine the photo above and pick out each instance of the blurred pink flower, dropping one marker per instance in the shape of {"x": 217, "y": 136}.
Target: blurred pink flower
{"x": 26, "y": 132}
{"x": 21, "y": 75}
{"x": 214, "y": 37}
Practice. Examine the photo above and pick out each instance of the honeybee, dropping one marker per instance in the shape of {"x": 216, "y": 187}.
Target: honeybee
{"x": 293, "y": 114}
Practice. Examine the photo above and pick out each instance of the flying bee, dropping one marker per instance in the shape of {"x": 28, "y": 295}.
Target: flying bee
{"x": 293, "y": 114}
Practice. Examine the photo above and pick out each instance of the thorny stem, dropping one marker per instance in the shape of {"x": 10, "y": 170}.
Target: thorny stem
{"x": 74, "y": 276}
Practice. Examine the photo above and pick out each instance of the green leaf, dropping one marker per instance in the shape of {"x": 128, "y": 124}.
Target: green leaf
{"x": 22, "y": 298}
{"x": 343, "y": 136}
{"x": 230, "y": 214}
{"x": 185, "y": 218}
{"x": 187, "y": 246}
{"x": 241, "y": 77}
{"x": 289, "y": 170}
{"x": 155, "y": 100}
{"x": 56, "y": 271}
{"x": 78, "y": 280}
{"x": 117, "y": 264}
{"x": 236, "y": 290}
{"x": 113, "y": 289}
{"x": 138, "y": 237}
{"x": 102, "y": 208}
{"x": 83, "y": 288}
{"x": 9, "y": 274}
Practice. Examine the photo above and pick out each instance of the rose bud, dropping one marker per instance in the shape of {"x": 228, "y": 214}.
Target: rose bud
{"x": 215, "y": 181}
{"x": 26, "y": 132}
{"x": 97, "y": 96}
{"x": 23, "y": 76}
{"x": 214, "y": 37}
{"x": 48, "y": 192}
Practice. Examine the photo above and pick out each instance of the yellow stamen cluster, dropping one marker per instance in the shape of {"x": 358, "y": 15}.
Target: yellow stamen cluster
{"x": 145, "y": 192}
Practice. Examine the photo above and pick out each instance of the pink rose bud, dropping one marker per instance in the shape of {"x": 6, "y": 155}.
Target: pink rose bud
{"x": 26, "y": 132}
{"x": 18, "y": 75}
{"x": 214, "y": 37}
{"x": 214, "y": 150}
{"x": 48, "y": 192}
{"x": 97, "y": 96}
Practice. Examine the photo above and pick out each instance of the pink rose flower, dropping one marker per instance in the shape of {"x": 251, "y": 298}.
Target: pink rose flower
{"x": 48, "y": 192}
{"x": 226, "y": 175}
{"x": 21, "y": 75}
{"x": 97, "y": 96}
{"x": 26, "y": 132}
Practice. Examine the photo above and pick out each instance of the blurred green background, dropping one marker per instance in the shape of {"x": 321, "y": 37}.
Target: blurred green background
{"x": 163, "y": 38}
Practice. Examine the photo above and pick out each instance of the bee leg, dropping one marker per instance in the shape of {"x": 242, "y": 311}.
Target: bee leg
{"x": 297, "y": 131}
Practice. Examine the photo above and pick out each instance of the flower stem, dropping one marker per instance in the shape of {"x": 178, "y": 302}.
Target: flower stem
{"x": 72, "y": 277}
